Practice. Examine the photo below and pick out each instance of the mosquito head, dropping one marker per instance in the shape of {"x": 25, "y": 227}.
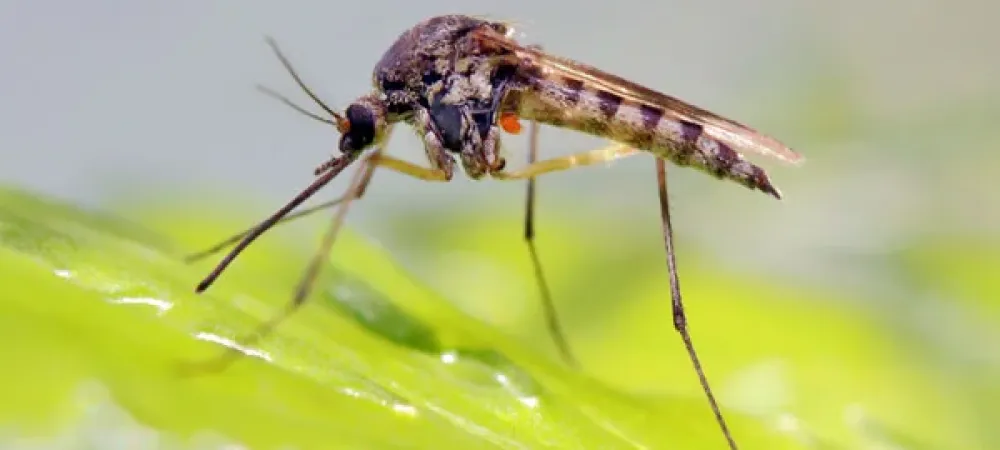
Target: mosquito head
{"x": 364, "y": 124}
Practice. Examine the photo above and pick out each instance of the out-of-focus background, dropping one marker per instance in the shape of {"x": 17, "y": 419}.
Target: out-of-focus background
{"x": 890, "y": 230}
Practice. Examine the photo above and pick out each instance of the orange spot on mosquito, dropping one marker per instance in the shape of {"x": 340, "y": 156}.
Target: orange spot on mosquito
{"x": 510, "y": 123}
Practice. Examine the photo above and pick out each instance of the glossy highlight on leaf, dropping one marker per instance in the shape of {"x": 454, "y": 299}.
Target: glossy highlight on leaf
{"x": 101, "y": 312}
{"x": 97, "y": 314}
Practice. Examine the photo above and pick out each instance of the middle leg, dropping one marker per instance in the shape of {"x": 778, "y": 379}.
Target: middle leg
{"x": 529, "y": 172}
{"x": 551, "y": 316}
{"x": 604, "y": 154}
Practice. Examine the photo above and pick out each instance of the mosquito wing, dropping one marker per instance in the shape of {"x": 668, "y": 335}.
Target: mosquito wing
{"x": 737, "y": 135}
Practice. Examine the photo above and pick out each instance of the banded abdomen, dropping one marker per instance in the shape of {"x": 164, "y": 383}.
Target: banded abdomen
{"x": 573, "y": 104}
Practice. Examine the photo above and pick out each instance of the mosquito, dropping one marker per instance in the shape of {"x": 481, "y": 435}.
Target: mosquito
{"x": 459, "y": 81}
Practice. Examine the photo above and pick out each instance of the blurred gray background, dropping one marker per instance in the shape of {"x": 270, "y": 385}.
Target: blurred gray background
{"x": 158, "y": 95}
{"x": 893, "y": 104}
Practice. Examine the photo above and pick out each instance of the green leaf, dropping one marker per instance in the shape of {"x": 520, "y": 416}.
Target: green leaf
{"x": 98, "y": 316}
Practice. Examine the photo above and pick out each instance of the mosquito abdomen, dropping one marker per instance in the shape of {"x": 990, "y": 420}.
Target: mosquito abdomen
{"x": 573, "y": 104}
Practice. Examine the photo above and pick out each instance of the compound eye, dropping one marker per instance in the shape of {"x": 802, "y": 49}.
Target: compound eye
{"x": 361, "y": 133}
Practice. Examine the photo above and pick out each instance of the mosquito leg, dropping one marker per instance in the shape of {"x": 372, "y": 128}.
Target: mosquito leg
{"x": 380, "y": 160}
{"x": 551, "y": 317}
{"x": 359, "y": 182}
{"x": 413, "y": 170}
{"x": 358, "y": 185}
{"x": 361, "y": 176}
{"x": 320, "y": 172}
{"x": 606, "y": 154}
{"x": 238, "y": 236}
{"x": 680, "y": 320}
{"x": 339, "y": 164}
{"x": 529, "y": 172}
{"x": 324, "y": 174}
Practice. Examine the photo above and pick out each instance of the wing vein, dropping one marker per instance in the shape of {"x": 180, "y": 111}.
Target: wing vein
{"x": 731, "y": 132}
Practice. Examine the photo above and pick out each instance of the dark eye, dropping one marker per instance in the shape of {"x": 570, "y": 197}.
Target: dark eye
{"x": 362, "y": 131}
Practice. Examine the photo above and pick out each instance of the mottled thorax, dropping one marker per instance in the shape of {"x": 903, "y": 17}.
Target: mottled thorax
{"x": 434, "y": 62}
